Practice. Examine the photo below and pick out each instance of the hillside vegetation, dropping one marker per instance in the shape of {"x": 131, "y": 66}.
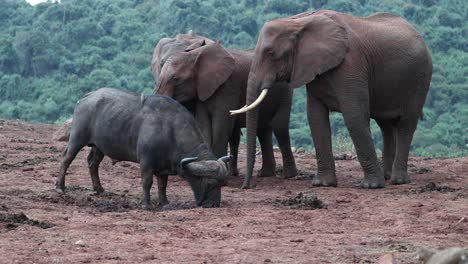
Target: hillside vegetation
{"x": 53, "y": 53}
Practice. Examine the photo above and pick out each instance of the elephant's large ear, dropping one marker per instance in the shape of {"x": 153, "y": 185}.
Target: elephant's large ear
{"x": 321, "y": 45}
{"x": 195, "y": 45}
{"x": 214, "y": 66}
{"x": 156, "y": 63}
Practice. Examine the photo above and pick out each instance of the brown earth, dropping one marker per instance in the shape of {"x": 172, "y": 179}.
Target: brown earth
{"x": 268, "y": 224}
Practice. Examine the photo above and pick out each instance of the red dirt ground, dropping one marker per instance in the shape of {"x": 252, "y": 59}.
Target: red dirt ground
{"x": 252, "y": 226}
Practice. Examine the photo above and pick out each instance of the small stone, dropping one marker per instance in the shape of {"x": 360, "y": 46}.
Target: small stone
{"x": 28, "y": 169}
{"x": 386, "y": 259}
{"x": 80, "y": 243}
{"x": 267, "y": 261}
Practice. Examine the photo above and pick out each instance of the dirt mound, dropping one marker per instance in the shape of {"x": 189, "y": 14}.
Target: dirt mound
{"x": 11, "y": 221}
{"x": 434, "y": 187}
{"x": 303, "y": 200}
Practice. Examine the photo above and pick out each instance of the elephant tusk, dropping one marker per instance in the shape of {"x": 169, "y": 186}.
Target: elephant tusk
{"x": 252, "y": 106}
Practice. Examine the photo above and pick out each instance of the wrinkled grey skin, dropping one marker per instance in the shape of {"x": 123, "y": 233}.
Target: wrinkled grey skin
{"x": 364, "y": 67}
{"x": 213, "y": 80}
{"x": 154, "y": 131}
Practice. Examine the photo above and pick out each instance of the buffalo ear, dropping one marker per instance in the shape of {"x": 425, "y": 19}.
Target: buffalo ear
{"x": 321, "y": 45}
{"x": 214, "y": 66}
{"x": 157, "y": 57}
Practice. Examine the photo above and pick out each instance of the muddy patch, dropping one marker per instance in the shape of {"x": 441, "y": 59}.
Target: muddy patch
{"x": 433, "y": 187}
{"x": 116, "y": 201}
{"x": 301, "y": 174}
{"x": 26, "y": 162}
{"x": 82, "y": 197}
{"x": 12, "y": 221}
{"x": 303, "y": 200}
{"x": 418, "y": 170}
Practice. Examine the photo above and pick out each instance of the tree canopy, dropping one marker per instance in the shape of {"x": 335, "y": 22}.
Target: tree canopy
{"x": 53, "y": 53}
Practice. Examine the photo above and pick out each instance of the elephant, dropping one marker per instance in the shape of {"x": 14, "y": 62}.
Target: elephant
{"x": 212, "y": 80}
{"x": 168, "y": 46}
{"x": 364, "y": 67}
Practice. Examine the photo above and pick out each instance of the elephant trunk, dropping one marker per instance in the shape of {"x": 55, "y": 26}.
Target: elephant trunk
{"x": 252, "y": 123}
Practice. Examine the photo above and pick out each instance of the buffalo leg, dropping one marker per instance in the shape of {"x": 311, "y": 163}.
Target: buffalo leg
{"x": 94, "y": 159}
{"x": 162, "y": 184}
{"x": 70, "y": 154}
{"x": 147, "y": 182}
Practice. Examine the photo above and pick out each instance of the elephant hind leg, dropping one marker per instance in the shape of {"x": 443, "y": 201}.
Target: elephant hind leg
{"x": 389, "y": 146}
{"x": 404, "y": 135}
{"x": 319, "y": 123}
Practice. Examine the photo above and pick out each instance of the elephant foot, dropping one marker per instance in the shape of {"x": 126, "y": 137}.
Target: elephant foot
{"x": 264, "y": 172}
{"x": 374, "y": 181}
{"x": 289, "y": 172}
{"x": 235, "y": 173}
{"x": 326, "y": 180}
{"x": 245, "y": 186}
{"x": 388, "y": 175}
{"x": 400, "y": 178}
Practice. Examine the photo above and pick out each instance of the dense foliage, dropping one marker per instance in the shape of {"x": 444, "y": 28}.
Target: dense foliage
{"x": 53, "y": 53}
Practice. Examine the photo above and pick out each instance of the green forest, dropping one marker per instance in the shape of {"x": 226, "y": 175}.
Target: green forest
{"x": 53, "y": 53}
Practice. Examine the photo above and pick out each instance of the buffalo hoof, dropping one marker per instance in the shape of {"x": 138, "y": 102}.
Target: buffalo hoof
{"x": 98, "y": 190}
{"x": 60, "y": 190}
{"x": 146, "y": 207}
{"x": 326, "y": 181}
{"x": 163, "y": 202}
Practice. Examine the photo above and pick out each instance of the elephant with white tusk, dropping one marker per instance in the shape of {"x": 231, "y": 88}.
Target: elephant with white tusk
{"x": 364, "y": 67}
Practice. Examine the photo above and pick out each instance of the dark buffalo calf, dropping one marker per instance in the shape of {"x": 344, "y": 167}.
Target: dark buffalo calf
{"x": 155, "y": 131}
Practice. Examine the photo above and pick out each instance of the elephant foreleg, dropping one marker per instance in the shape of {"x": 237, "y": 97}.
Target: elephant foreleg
{"x": 234, "y": 150}
{"x": 289, "y": 164}
{"x": 268, "y": 158}
{"x": 203, "y": 120}
{"x": 280, "y": 124}
{"x": 319, "y": 122}
{"x": 220, "y": 132}
{"x": 355, "y": 109}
